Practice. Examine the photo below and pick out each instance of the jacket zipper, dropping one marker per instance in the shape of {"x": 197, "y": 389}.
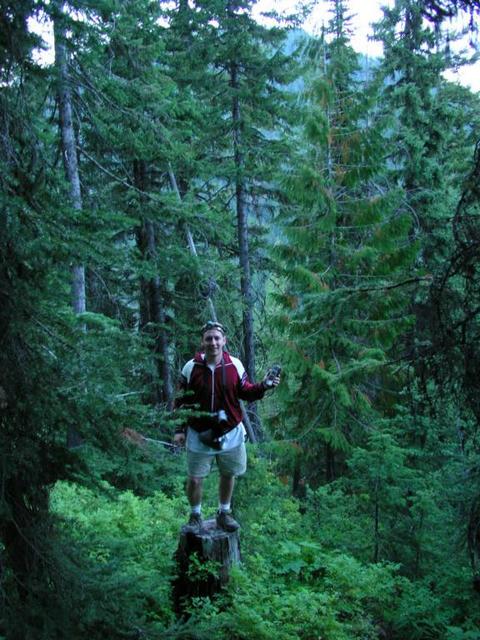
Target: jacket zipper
{"x": 213, "y": 390}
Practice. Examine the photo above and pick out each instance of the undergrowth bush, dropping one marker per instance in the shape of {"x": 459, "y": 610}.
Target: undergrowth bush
{"x": 289, "y": 586}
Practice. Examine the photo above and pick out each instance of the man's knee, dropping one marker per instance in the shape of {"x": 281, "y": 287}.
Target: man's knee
{"x": 194, "y": 481}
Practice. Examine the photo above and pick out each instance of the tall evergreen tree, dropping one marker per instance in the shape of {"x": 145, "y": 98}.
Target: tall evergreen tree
{"x": 435, "y": 138}
{"x": 346, "y": 262}
{"x": 33, "y": 415}
{"x": 125, "y": 103}
{"x": 232, "y": 69}
{"x": 249, "y": 70}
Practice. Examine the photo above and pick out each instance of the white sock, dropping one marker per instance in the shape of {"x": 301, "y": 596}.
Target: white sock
{"x": 224, "y": 506}
{"x": 197, "y": 509}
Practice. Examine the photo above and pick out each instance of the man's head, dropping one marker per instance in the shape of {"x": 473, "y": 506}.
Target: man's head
{"x": 213, "y": 324}
{"x": 213, "y": 340}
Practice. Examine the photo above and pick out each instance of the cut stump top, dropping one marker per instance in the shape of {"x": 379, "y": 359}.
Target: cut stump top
{"x": 209, "y": 530}
{"x": 209, "y": 545}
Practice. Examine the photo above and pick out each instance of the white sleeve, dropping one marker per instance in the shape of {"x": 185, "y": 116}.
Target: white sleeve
{"x": 187, "y": 370}
{"x": 242, "y": 374}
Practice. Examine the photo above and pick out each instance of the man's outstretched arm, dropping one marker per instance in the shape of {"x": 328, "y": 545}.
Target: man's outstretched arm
{"x": 251, "y": 391}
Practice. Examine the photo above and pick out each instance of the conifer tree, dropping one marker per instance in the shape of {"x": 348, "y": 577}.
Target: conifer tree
{"x": 434, "y": 140}
{"x": 441, "y": 10}
{"x": 246, "y": 68}
{"x": 435, "y": 137}
{"x": 231, "y": 68}
{"x": 34, "y": 339}
{"x": 346, "y": 261}
{"x": 126, "y": 105}
{"x": 412, "y": 68}
{"x": 425, "y": 160}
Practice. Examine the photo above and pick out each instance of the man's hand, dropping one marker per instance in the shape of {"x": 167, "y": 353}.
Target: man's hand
{"x": 269, "y": 381}
{"x": 179, "y": 439}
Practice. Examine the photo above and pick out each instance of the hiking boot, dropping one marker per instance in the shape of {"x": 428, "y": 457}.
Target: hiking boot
{"x": 195, "y": 523}
{"x": 226, "y": 521}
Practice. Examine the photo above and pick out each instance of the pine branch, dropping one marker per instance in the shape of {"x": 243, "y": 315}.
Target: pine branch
{"x": 389, "y": 286}
{"x": 116, "y": 178}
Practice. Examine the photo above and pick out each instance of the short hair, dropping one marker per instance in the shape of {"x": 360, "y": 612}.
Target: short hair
{"x": 213, "y": 324}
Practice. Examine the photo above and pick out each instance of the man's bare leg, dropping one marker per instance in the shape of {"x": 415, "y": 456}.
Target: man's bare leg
{"x": 194, "y": 495}
{"x": 225, "y": 489}
{"x": 195, "y": 491}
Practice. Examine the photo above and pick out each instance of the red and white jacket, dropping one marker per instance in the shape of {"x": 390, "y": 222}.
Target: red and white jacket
{"x": 208, "y": 391}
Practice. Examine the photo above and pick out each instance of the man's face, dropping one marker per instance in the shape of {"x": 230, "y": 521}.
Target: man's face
{"x": 213, "y": 342}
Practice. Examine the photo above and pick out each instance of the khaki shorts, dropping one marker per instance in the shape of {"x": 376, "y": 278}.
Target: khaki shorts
{"x": 230, "y": 463}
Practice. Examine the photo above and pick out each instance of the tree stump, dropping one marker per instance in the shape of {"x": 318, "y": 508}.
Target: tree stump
{"x": 203, "y": 563}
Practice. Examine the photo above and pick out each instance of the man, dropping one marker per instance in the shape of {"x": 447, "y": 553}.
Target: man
{"x": 214, "y": 382}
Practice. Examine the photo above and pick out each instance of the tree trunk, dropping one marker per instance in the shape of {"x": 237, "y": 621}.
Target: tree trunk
{"x": 203, "y": 562}
{"x": 244, "y": 255}
{"x": 158, "y": 317}
{"x": 298, "y": 481}
{"x": 69, "y": 152}
{"x": 329, "y": 463}
{"x": 191, "y": 246}
{"x": 152, "y": 304}
{"x": 376, "y": 533}
{"x": 70, "y": 161}
{"x": 242, "y": 231}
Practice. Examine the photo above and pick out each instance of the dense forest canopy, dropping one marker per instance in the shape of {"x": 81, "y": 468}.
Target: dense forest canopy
{"x": 180, "y": 161}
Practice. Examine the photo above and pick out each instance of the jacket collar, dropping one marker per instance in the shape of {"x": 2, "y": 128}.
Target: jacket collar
{"x": 199, "y": 358}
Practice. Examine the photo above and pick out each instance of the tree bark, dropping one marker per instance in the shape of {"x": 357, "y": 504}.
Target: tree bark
{"x": 329, "y": 463}
{"x": 158, "y": 317}
{"x": 244, "y": 255}
{"x": 242, "y": 230}
{"x": 70, "y": 162}
{"x": 204, "y": 561}
{"x": 376, "y": 535}
{"x": 152, "y": 305}
{"x": 69, "y": 152}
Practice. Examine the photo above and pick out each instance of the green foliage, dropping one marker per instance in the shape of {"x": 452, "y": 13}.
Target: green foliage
{"x": 366, "y": 182}
{"x": 126, "y": 545}
{"x": 346, "y": 257}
